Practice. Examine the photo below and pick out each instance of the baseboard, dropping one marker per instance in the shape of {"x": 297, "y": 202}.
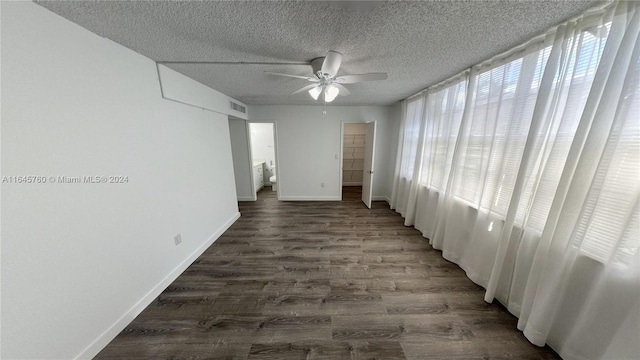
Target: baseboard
{"x": 381, "y": 198}
{"x": 351, "y": 184}
{"x": 245, "y": 198}
{"x": 310, "y": 198}
{"x": 103, "y": 340}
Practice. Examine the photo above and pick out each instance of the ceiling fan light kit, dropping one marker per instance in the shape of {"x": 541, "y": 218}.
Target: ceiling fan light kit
{"x": 315, "y": 92}
{"x": 325, "y": 79}
{"x": 330, "y": 93}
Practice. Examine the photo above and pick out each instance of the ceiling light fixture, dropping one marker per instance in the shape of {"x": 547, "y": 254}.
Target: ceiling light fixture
{"x": 330, "y": 92}
{"x": 325, "y": 78}
{"x": 315, "y": 92}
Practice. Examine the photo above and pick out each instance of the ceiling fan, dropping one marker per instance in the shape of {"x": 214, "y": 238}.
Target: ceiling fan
{"x": 325, "y": 81}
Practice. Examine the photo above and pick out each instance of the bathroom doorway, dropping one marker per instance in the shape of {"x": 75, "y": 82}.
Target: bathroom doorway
{"x": 263, "y": 156}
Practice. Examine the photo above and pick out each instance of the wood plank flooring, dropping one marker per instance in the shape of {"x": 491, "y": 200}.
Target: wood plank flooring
{"x": 322, "y": 280}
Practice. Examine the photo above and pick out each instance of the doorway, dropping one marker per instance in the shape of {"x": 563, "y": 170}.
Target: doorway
{"x": 358, "y": 144}
{"x": 263, "y": 156}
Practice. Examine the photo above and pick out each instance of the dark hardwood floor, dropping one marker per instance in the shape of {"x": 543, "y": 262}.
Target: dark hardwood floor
{"x": 322, "y": 280}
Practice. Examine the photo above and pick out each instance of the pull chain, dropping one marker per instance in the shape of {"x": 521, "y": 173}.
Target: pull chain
{"x": 324, "y": 97}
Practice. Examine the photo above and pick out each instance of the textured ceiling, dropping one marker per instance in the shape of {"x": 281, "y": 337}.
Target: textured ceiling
{"x": 416, "y": 43}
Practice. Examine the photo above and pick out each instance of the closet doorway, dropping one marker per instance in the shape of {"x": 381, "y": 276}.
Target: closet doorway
{"x": 358, "y": 144}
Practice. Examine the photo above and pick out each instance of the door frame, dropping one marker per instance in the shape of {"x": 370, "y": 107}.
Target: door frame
{"x": 372, "y": 157}
{"x": 275, "y": 150}
{"x": 248, "y": 130}
{"x": 342, "y": 123}
{"x": 341, "y": 154}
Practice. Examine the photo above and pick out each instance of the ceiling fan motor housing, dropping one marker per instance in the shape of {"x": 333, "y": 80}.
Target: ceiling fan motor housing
{"x": 316, "y": 66}
{"x": 326, "y": 80}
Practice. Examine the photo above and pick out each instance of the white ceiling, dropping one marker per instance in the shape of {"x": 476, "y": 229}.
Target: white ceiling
{"x": 416, "y": 43}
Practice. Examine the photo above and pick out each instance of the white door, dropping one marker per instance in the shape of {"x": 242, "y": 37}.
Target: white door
{"x": 367, "y": 176}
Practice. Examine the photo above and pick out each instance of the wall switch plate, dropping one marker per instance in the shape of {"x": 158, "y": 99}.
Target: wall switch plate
{"x": 177, "y": 239}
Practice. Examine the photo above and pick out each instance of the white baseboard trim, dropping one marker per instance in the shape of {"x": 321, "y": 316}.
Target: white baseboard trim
{"x": 310, "y": 198}
{"x": 381, "y": 198}
{"x": 351, "y": 184}
{"x": 103, "y": 340}
{"x": 245, "y": 198}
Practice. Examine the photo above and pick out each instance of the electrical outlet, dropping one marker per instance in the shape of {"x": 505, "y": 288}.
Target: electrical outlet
{"x": 321, "y": 185}
{"x": 177, "y": 239}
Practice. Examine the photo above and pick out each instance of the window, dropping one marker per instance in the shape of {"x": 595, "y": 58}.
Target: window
{"x": 413, "y": 120}
{"x": 495, "y": 134}
{"x": 571, "y": 87}
{"x": 443, "y": 116}
{"x": 609, "y": 219}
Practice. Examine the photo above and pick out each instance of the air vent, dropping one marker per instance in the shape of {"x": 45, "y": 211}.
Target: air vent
{"x": 238, "y": 107}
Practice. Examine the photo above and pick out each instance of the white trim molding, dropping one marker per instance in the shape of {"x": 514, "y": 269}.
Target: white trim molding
{"x": 103, "y": 340}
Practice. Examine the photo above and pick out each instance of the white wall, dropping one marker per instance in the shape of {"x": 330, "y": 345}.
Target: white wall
{"x": 308, "y": 146}
{"x": 79, "y": 261}
{"x": 241, "y": 160}
{"x": 262, "y": 146}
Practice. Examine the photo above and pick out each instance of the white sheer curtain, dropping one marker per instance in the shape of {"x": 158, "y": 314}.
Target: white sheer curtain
{"x": 527, "y": 175}
{"x": 410, "y": 131}
{"x": 445, "y": 107}
{"x": 585, "y": 276}
{"x": 498, "y": 111}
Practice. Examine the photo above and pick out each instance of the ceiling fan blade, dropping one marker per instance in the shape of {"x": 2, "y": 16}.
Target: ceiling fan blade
{"x": 293, "y": 76}
{"x": 331, "y": 64}
{"x": 352, "y": 79}
{"x": 343, "y": 90}
{"x": 308, "y": 87}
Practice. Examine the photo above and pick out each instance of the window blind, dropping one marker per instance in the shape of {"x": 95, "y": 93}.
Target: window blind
{"x": 494, "y": 137}
{"x": 610, "y": 215}
{"x": 571, "y": 87}
{"x": 443, "y": 115}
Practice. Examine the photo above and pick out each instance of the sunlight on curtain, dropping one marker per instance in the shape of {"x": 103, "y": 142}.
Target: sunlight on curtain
{"x": 571, "y": 84}
{"x": 444, "y": 111}
{"x": 568, "y": 78}
{"x": 525, "y": 171}
{"x": 411, "y": 135}
{"x": 412, "y": 123}
{"x": 492, "y": 138}
{"x": 585, "y": 277}
{"x": 495, "y": 133}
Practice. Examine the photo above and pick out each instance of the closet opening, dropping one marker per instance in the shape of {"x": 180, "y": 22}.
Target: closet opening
{"x": 358, "y": 143}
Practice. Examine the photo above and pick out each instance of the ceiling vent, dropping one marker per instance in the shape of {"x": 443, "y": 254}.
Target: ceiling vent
{"x": 237, "y": 107}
